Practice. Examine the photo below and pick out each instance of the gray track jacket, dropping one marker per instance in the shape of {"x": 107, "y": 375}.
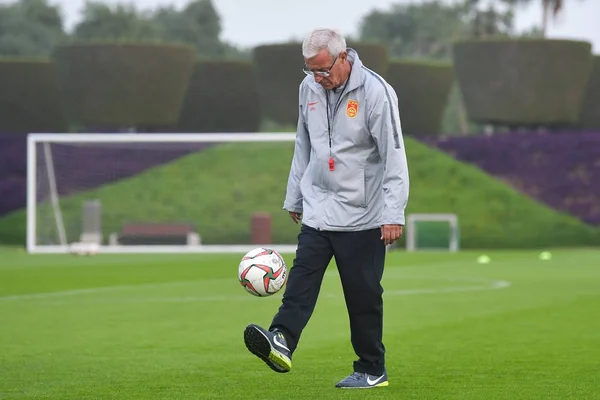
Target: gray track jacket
{"x": 368, "y": 186}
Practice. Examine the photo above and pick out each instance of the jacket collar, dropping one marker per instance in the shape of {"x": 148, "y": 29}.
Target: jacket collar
{"x": 356, "y": 76}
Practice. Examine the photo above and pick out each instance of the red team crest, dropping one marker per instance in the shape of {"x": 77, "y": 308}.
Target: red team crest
{"x": 352, "y": 108}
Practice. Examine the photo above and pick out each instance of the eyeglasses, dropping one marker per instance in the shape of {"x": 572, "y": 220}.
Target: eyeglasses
{"x": 320, "y": 73}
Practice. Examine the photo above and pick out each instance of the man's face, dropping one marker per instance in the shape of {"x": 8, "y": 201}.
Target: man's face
{"x": 323, "y": 62}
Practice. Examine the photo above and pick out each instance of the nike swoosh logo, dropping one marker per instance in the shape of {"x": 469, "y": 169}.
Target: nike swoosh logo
{"x": 278, "y": 343}
{"x": 370, "y": 382}
{"x": 312, "y": 104}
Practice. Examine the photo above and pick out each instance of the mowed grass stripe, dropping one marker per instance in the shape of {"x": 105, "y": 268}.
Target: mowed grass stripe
{"x": 534, "y": 339}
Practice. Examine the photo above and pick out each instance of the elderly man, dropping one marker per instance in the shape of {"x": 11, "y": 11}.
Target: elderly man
{"x": 348, "y": 186}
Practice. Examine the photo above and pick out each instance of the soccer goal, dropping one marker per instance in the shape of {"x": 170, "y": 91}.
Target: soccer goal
{"x": 158, "y": 193}
{"x": 432, "y": 232}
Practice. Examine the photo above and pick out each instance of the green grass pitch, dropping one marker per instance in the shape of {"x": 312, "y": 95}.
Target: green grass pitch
{"x": 170, "y": 327}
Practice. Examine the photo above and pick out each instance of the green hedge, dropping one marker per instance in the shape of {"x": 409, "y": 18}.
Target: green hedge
{"x": 30, "y": 97}
{"x": 590, "y": 110}
{"x": 222, "y": 96}
{"x": 279, "y": 73}
{"x": 524, "y": 82}
{"x": 423, "y": 88}
{"x": 374, "y": 56}
{"x": 124, "y": 84}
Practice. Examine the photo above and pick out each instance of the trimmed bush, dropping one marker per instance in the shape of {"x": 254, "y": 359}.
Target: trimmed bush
{"x": 279, "y": 73}
{"x": 374, "y": 56}
{"x": 423, "y": 88}
{"x": 222, "y": 96}
{"x": 524, "y": 82}
{"x": 124, "y": 84}
{"x": 590, "y": 110}
{"x": 30, "y": 98}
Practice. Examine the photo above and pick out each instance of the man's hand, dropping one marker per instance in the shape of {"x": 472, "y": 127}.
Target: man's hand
{"x": 295, "y": 216}
{"x": 390, "y": 233}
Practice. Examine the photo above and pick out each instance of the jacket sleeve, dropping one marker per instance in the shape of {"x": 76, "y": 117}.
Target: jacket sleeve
{"x": 384, "y": 125}
{"x": 293, "y": 196}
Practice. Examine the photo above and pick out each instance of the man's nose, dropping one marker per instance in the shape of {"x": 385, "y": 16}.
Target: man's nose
{"x": 318, "y": 78}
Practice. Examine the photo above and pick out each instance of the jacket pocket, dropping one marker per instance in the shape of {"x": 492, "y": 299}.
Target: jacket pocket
{"x": 363, "y": 189}
{"x": 352, "y": 191}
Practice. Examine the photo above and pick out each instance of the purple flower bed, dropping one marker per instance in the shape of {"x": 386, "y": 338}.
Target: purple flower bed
{"x": 77, "y": 167}
{"x": 12, "y": 194}
{"x": 13, "y": 149}
{"x": 559, "y": 169}
{"x": 83, "y": 167}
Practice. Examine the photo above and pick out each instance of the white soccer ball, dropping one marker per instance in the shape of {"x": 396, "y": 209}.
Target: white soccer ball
{"x": 84, "y": 249}
{"x": 262, "y": 272}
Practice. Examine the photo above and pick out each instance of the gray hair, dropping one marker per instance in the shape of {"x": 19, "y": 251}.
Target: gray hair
{"x": 320, "y": 39}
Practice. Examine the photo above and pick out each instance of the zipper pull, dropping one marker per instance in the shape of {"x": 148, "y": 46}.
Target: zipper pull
{"x": 331, "y": 164}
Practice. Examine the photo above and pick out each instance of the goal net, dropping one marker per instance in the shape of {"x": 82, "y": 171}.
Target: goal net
{"x": 432, "y": 232}
{"x": 128, "y": 193}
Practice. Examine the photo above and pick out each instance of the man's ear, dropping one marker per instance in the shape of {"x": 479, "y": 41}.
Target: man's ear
{"x": 343, "y": 56}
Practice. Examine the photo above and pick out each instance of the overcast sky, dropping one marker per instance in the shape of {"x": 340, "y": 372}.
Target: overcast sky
{"x": 251, "y": 22}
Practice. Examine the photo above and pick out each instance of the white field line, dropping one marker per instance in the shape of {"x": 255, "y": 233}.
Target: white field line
{"x": 479, "y": 284}
{"x": 78, "y": 292}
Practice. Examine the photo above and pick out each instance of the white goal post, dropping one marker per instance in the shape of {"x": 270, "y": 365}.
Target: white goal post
{"x": 412, "y": 230}
{"x": 43, "y": 191}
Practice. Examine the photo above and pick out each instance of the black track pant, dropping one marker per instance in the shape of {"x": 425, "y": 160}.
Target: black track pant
{"x": 360, "y": 258}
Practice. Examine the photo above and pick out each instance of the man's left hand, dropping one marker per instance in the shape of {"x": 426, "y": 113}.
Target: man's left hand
{"x": 390, "y": 233}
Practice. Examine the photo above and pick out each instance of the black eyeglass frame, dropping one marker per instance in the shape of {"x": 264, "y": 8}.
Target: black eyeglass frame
{"x": 325, "y": 73}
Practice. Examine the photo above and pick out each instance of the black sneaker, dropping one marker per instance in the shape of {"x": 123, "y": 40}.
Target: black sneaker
{"x": 270, "y": 347}
{"x": 360, "y": 380}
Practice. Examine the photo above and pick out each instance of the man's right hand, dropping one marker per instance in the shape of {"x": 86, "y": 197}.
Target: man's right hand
{"x": 295, "y": 216}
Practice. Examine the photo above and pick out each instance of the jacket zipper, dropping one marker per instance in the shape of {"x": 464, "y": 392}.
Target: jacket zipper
{"x": 331, "y": 119}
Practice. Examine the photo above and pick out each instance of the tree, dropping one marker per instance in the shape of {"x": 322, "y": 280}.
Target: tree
{"x": 428, "y": 29}
{"x": 550, "y": 8}
{"x": 30, "y": 28}
{"x": 555, "y": 6}
{"x": 416, "y": 30}
{"x": 491, "y": 20}
{"x": 198, "y": 24}
{"x": 121, "y": 22}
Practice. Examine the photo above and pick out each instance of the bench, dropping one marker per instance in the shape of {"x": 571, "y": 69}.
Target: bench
{"x": 168, "y": 233}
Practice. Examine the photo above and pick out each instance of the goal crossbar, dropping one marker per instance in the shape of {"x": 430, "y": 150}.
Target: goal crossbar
{"x": 159, "y": 137}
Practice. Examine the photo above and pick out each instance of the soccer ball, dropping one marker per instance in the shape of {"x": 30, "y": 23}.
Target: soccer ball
{"x": 84, "y": 249}
{"x": 262, "y": 272}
